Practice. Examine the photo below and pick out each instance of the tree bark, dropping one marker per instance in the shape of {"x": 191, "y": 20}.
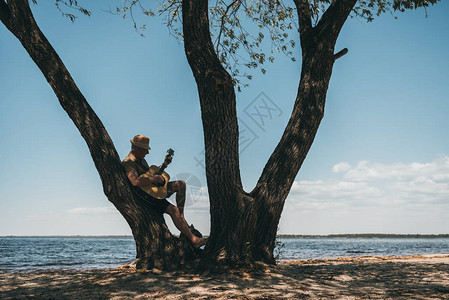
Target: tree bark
{"x": 244, "y": 225}
{"x": 219, "y": 117}
{"x": 155, "y": 246}
{"x": 276, "y": 180}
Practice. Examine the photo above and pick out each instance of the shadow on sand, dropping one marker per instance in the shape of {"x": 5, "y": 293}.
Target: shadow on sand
{"x": 359, "y": 279}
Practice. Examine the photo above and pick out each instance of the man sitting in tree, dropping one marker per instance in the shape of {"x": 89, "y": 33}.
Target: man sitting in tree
{"x": 135, "y": 166}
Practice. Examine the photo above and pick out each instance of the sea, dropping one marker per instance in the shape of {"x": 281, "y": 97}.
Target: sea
{"x": 26, "y": 254}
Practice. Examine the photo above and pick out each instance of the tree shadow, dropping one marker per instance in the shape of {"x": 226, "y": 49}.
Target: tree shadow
{"x": 362, "y": 280}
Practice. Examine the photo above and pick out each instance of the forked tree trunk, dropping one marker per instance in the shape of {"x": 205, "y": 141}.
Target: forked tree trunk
{"x": 244, "y": 225}
{"x": 155, "y": 246}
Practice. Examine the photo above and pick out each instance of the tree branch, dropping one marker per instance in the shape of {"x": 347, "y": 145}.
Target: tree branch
{"x": 304, "y": 17}
{"x": 105, "y": 157}
{"x": 333, "y": 19}
{"x": 317, "y": 62}
{"x": 5, "y": 13}
{"x": 340, "y": 53}
{"x": 222, "y": 24}
{"x": 217, "y": 98}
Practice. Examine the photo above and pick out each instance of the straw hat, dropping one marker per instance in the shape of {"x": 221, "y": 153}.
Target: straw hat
{"x": 141, "y": 141}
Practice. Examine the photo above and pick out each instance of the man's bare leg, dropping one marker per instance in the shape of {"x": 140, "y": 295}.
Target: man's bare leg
{"x": 178, "y": 187}
{"x": 181, "y": 224}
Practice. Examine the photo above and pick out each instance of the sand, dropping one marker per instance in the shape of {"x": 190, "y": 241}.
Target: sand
{"x": 414, "y": 277}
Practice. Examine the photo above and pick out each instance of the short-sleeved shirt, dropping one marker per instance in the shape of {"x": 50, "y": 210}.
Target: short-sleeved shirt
{"x": 132, "y": 164}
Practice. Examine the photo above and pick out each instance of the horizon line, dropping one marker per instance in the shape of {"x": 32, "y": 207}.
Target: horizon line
{"x": 283, "y": 235}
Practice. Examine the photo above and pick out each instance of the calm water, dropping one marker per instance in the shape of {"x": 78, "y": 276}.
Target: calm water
{"x": 22, "y": 254}
{"x": 353, "y": 247}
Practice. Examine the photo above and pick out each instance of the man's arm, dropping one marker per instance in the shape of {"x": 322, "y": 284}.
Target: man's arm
{"x": 142, "y": 181}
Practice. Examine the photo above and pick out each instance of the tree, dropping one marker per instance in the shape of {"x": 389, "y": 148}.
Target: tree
{"x": 155, "y": 246}
{"x": 256, "y": 214}
{"x": 243, "y": 224}
{"x": 251, "y": 231}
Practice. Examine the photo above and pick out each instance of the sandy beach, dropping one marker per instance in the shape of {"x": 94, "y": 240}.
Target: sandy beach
{"x": 366, "y": 277}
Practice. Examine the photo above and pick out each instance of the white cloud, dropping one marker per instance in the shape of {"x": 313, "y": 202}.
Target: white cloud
{"x": 365, "y": 170}
{"x": 370, "y": 183}
{"x": 93, "y": 210}
{"x": 372, "y": 196}
{"x": 341, "y": 167}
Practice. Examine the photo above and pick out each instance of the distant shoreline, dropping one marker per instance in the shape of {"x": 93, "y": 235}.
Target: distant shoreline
{"x": 366, "y": 236}
{"x": 298, "y": 236}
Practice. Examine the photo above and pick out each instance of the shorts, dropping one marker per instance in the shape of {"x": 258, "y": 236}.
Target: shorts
{"x": 160, "y": 205}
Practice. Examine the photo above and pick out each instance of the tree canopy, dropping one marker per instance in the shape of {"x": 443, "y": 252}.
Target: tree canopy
{"x": 241, "y": 29}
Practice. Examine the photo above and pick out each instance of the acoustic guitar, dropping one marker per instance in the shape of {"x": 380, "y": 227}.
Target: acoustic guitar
{"x": 158, "y": 191}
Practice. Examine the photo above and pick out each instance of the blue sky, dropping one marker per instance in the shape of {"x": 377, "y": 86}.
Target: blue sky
{"x": 379, "y": 162}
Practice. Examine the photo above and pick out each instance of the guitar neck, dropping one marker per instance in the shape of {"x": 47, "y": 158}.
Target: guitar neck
{"x": 170, "y": 153}
{"x": 161, "y": 169}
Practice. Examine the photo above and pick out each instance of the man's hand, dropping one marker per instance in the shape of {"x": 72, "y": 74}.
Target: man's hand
{"x": 157, "y": 180}
{"x": 168, "y": 160}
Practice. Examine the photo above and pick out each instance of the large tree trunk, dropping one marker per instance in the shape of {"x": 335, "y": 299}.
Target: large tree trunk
{"x": 244, "y": 225}
{"x": 218, "y": 112}
{"x": 155, "y": 246}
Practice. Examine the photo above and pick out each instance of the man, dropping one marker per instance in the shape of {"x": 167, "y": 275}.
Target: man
{"x": 135, "y": 165}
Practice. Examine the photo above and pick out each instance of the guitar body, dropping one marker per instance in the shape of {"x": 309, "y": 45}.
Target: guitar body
{"x": 159, "y": 192}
